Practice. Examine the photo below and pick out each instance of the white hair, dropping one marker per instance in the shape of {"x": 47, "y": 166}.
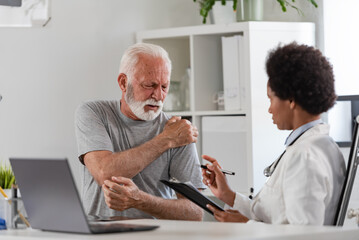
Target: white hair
{"x": 130, "y": 57}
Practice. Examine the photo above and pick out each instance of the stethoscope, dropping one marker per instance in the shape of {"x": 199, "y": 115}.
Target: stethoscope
{"x": 268, "y": 171}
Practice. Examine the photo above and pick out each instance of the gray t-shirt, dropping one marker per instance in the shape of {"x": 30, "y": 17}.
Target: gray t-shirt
{"x": 100, "y": 125}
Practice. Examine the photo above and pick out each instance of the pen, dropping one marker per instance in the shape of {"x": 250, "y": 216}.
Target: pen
{"x": 3, "y": 193}
{"x": 222, "y": 170}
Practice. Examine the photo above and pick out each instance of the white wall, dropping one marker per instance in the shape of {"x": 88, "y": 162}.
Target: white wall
{"x": 273, "y": 12}
{"x": 341, "y": 47}
{"x": 45, "y": 73}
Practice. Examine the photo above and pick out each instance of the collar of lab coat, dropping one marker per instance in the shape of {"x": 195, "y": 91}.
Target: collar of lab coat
{"x": 299, "y": 131}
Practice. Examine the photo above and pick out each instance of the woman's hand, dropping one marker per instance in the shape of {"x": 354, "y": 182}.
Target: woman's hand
{"x": 228, "y": 215}
{"x": 217, "y": 181}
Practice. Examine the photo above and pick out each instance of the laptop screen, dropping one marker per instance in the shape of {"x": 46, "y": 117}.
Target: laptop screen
{"x": 49, "y": 194}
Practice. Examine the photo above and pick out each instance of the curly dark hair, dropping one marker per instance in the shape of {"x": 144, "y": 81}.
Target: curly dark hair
{"x": 301, "y": 73}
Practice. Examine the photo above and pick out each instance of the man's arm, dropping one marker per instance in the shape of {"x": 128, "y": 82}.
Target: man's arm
{"x": 177, "y": 209}
{"x": 121, "y": 194}
{"x": 105, "y": 164}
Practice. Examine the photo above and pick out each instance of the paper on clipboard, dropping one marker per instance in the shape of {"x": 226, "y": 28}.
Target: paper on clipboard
{"x": 189, "y": 191}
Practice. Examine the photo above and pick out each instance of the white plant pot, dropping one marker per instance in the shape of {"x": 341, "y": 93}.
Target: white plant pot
{"x": 8, "y": 212}
{"x": 247, "y": 10}
{"x": 5, "y": 206}
{"x": 8, "y": 192}
{"x": 222, "y": 14}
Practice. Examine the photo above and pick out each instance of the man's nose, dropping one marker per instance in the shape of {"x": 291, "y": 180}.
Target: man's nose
{"x": 158, "y": 94}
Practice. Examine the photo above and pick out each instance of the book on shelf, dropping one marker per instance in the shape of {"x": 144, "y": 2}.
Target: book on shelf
{"x": 232, "y": 59}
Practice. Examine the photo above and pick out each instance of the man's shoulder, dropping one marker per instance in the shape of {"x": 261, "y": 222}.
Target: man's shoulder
{"x": 164, "y": 116}
{"x": 100, "y": 103}
{"x": 98, "y": 106}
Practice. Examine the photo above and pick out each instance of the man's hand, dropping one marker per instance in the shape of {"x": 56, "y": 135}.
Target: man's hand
{"x": 179, "y": 132}
{"x": 228, "y": 215}
{"x": 121, "y": 193}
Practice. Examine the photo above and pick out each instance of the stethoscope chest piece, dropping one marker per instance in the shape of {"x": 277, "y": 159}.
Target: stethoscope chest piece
{"x": 268, "y": 171}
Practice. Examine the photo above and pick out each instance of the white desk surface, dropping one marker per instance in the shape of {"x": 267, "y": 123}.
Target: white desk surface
{"x": 186, "y": 230}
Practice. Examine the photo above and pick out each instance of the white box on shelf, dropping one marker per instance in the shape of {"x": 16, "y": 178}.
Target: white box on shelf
{"x": 232, "y": 55}
{"x": 225, "y": 138}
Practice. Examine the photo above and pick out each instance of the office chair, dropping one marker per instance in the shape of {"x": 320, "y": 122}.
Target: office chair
{"x": 349, "y": 177}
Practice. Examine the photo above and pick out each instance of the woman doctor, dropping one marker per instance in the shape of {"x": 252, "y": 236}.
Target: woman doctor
{"x": 305, "y": 182}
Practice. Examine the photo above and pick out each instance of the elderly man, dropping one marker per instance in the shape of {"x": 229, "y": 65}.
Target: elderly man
{"x": 127, "y": 146}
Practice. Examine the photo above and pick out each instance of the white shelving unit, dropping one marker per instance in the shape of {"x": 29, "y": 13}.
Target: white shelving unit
{"x": 199, "y": 47}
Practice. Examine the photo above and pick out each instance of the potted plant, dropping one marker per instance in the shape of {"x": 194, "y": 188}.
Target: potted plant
{"x": 7, "y": 179}
{"x": 206, "y": 6}
{"x": 11, "y": 211}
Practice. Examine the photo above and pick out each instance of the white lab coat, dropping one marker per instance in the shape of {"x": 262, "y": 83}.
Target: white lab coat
{"x": 305, "y": 186}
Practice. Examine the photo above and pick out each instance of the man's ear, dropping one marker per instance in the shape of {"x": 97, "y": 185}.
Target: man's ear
{"x": 122, "y": 81}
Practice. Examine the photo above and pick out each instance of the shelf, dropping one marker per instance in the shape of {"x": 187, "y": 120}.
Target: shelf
{"x": 225, "y": 28}
{"x": 180, "y": 113}
{"x": 208, "y": 113}
{"x": 220, "y": 113}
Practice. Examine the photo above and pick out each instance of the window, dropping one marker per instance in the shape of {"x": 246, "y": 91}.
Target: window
{"x": 341, "y": 43}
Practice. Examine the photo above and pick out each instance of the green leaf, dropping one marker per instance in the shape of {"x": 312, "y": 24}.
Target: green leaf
{"x": 282, "y": 4}
{"x": 300, "y": 12}
{"x": 7, "y": 177}
{"x": 203, "y": 12}
{"x": 12, "y": 181}
{"x": 234, "y": 5}
{"x": 5, "y": 183}
{"x": 314, "y": 3}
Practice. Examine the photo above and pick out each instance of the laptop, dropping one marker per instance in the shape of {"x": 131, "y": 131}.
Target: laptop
{"x": 52, "y": 202}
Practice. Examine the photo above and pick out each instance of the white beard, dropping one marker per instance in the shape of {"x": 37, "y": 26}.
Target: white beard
{"x": 138, "y": 107}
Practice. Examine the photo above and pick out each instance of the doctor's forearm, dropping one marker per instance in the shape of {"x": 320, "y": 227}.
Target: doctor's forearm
{"x": 228, "y": 198}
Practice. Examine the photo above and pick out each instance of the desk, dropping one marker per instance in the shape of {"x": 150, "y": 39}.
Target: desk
{"x": 185, "y": 230}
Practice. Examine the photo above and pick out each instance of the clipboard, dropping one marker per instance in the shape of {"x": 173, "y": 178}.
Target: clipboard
{"x": 190, "y": 192}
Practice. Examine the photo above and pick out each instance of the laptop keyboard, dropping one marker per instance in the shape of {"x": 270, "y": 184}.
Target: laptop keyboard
{"x": 107, "y": 227}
